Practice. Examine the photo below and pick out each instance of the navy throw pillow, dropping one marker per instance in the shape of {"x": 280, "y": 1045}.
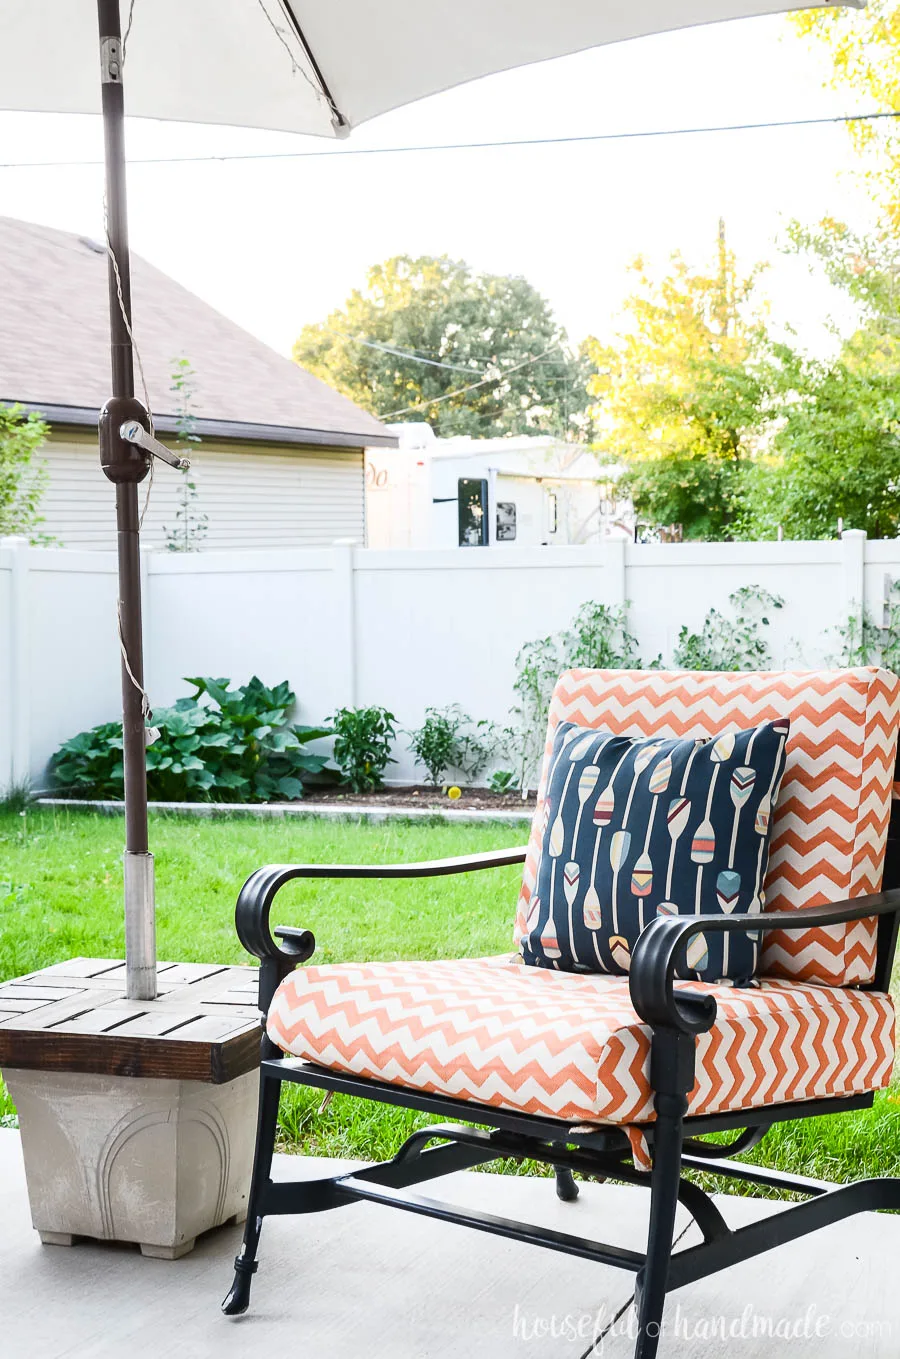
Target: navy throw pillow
{"x": 634, "y": 829}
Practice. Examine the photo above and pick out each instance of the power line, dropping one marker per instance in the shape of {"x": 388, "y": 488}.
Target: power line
{"x": 447, "y": 396}
{"x": 773, "y": 125}
{"x": 398, "y": 353}
{"x": 419, "y": 355}
{"x": 434, "y": 363}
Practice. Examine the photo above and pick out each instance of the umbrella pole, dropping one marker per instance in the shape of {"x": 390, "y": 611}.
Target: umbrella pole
{"x": 126, "y": 466}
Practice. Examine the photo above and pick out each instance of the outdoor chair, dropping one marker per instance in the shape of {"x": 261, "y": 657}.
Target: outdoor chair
{"x": 617, "y": 1077}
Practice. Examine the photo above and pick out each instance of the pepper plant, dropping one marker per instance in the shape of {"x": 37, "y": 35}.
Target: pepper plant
{"x": 362, "y": 745}
{"x": 449, "y": 739}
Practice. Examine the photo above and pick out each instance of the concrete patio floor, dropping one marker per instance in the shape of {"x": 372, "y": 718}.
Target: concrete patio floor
{"x": 374, "y": 1282}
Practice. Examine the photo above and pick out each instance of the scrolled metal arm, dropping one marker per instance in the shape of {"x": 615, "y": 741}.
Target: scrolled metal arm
{"x": 661, "y": 947}
{"x": 254, "y": 904}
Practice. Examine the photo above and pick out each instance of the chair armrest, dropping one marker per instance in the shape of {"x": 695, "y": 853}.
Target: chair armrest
{"x": 261, "y": 888}
{"x": 662, "y": 944}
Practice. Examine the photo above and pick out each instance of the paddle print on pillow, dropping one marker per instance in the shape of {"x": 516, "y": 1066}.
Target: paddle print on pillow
{"x": 633, "y": 829}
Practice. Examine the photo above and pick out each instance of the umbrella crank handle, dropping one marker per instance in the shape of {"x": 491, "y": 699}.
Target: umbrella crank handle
{"x": 133, "y": 433}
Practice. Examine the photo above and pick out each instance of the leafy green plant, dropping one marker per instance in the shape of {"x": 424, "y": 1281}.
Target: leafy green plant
{"x": 191, "y": 526}
{"x": 90, "y": 764}
{"x": 860, "y": 639}
{"x": 735, "y": 643}
{"x": 23, "y": 479}
{"x": 597, "y": 638}
{"x": 362, "y": 745}
{"x": 502, "y": 781}
{"x": 217, "y": 745}
{"x": 449, "y": 739}
{"x": 863, "y": 642}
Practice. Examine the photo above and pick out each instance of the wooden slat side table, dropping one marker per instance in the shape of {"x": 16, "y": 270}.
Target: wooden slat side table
{"x": 137, "y": 1117}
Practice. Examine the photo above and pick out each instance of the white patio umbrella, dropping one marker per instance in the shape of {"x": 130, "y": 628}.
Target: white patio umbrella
{"x": 310, "y": 66}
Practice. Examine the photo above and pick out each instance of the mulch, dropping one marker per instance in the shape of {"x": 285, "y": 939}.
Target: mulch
{"x": 423, "y": 795}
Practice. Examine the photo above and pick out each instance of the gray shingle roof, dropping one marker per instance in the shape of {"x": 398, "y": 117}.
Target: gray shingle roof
{"x": 54, "y": 348}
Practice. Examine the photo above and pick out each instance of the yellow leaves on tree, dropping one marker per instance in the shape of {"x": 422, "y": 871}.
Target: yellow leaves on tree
{"x": 685, "y": 329}
{"x": 864, "y": 50}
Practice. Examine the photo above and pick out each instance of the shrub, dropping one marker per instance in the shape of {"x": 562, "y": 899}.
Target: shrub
{"x": 362, "y": 745}
{"x": 449, "y": 739}
{"x": 218, "y": 744}
{"x": 730, "y": 643}
{"x": 90, "y": 764}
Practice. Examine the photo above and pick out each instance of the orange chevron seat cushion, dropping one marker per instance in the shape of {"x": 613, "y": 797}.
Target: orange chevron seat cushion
{"x": 570, "y": 1045}
{"x": 830, "y": 824}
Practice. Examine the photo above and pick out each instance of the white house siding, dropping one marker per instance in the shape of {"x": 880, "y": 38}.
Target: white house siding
{"x": 254, "y": 496}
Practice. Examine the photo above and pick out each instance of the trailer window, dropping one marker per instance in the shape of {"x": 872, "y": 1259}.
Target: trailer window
{"x": 506, "y": 521}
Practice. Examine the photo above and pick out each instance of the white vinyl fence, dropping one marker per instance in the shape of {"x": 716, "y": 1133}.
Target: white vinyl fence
{"x": 405, "y": 629}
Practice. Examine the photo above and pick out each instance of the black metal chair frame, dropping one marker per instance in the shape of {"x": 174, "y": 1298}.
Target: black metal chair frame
{"x": 599, "y": 1151}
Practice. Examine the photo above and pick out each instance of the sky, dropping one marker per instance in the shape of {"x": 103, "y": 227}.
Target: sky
{"x": 275, "y": 244}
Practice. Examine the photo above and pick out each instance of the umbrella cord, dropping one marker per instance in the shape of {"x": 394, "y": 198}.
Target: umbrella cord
{"x": 145, "y": 701}
{"x": 127, "y": 32}
{"x": 137, "y": 353}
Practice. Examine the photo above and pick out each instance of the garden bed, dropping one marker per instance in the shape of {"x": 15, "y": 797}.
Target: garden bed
{"x": 416, "y": 796}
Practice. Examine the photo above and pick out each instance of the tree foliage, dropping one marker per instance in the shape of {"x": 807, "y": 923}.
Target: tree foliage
{"x": 835, "y": 453}
{"x": 22, "y": 481}
{"x": 864, "y": 50}
{"x": 732, "y": 435}
{"x": 478, "y": 325}
{"x": 679, "y": 396}
{"x": 865, "y": 266}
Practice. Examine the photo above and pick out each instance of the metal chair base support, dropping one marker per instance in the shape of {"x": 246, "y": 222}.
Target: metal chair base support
{"x": 442, "y": 1149}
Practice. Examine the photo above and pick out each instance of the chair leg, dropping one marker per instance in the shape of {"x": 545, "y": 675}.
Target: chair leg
{"x": 245, "y": 1264}
{"x": 566, "y": 1188}
{"x": 650, "y": 1291}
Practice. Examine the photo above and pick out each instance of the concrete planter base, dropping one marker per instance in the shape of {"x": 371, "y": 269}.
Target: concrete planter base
{"x": 118, "y": 1158}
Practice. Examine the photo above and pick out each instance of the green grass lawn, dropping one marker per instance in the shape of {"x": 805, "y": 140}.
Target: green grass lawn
{"x": 61, "y": 896}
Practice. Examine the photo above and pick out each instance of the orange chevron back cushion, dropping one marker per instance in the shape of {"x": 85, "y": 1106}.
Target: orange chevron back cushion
{"x": 831, "y": 819}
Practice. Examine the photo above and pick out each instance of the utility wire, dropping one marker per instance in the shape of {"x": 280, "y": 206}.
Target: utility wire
{"x": 468, "y": 146}
{"x": 460, "y": 391}
{"x": 398, "y": 353}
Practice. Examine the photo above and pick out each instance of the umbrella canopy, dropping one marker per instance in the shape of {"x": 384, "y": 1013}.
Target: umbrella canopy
{"x": 315, "y": 66}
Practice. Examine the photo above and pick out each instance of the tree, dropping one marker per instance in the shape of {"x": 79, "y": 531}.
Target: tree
{"x": 22, "y": 482}
{"x": 864, "y": 266}
{"x": 491, "y": 334}
{"x": 681, "y": 396}
{"x": 835, "y": 454}
{"x": 864, "y": 47}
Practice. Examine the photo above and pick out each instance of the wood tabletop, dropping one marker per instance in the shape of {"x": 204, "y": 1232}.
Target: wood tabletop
{"x": 73, "y": 1016}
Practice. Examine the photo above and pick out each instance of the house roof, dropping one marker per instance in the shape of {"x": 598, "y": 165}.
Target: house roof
{"x": 54, "y": 350}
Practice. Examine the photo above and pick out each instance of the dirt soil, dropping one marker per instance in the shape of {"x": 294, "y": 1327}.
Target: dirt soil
{"x": 423, "y": 795}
